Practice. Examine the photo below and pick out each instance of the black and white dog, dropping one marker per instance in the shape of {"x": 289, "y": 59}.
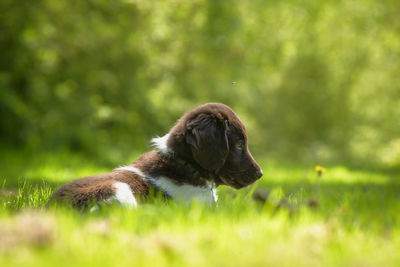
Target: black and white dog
{"x": 206, "y": 148}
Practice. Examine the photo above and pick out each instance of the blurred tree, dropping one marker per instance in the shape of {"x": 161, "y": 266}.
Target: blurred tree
{"x": 314, "y": 81}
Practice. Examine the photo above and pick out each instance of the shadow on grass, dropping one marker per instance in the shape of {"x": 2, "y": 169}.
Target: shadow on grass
{"x": 357, "y": 204}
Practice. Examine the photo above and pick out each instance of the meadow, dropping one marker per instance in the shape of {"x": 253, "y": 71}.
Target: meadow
{"x": 85, "y": 83}
{"x": 290, "y": 217}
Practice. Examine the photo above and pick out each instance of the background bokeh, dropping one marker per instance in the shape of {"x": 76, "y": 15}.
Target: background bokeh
{"x": 314, "y": 81}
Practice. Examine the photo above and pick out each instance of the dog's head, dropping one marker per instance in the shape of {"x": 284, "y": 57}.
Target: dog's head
{"x": 213, "y": 138}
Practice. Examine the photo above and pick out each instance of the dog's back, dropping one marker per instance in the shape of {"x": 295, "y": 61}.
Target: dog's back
{"x": 120, "y": 184}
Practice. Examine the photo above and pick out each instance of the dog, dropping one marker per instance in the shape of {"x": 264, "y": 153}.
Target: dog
{"x": 207, "y": 147}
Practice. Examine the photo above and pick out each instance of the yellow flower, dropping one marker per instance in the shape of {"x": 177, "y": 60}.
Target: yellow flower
{"x": 319, "y": 169}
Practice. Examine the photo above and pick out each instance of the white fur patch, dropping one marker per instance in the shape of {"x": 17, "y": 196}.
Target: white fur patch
{"x": 214, "y": 192}
{"x": 132, "y": 169}
{"x": 160, "y": 143}
{"x": 123, "y": 195}
{"x": 185, "y": 192}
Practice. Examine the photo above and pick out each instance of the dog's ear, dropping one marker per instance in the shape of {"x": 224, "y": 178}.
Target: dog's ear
{"x": 208, "y": 137}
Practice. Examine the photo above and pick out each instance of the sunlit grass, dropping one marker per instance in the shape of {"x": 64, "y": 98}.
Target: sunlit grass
{"x": 353, "y": 220}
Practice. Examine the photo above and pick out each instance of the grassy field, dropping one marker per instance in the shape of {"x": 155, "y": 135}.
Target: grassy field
{"x": 343, "y": 218}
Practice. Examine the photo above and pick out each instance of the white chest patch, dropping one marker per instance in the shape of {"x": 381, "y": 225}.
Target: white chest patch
{"x": 186, "y": 193}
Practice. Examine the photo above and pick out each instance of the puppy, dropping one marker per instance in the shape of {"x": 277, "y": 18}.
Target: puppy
{"x": 206, "y": 148}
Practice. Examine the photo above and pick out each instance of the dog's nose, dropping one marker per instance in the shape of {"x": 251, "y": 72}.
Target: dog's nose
{"x": 259, "y": 173}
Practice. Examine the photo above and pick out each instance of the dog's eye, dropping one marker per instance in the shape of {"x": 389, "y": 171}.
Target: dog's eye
{"x": 239, "y": 144}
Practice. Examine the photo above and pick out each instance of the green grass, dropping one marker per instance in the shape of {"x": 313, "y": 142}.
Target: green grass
{"x": 354, "y": 221}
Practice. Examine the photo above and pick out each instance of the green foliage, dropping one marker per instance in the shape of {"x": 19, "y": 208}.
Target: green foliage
{"x": 313, "y": 81}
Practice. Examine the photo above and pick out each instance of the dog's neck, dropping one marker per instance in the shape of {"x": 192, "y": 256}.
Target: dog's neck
{"x": 158, "y": 164}
{"x": 175, "y": 151}
{"x": 174, "y": 177}
{"x": 185, "y": 164}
